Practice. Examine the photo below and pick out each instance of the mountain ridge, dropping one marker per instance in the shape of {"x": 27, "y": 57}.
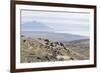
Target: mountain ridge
{"x": 64, "y": 37}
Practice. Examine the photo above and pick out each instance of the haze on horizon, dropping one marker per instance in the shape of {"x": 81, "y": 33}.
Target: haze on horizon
{"x": 59, "y": 22}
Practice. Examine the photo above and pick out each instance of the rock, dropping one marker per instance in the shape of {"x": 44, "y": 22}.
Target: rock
{"x": 63, "y": 57}
{"x": 42, "y": 50}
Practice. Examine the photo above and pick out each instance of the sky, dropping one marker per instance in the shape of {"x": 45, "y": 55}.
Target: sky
{"x": 60, "y": 22}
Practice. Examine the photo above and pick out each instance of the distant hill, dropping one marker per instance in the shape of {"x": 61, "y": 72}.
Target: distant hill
{"x": 62, "y": 37}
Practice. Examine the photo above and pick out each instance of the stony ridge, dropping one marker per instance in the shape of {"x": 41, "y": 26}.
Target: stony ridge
{"x": 43, "y": 50}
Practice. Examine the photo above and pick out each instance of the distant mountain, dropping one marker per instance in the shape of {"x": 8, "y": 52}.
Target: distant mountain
{"x": 61, "y": 37}
{"x": 35, "y": 26}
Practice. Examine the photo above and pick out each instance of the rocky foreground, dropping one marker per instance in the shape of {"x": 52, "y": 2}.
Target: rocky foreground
{"x": 43, "y": 50}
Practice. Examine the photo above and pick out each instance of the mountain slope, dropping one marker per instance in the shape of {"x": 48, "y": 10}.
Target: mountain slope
{"x": 42, "y": 50}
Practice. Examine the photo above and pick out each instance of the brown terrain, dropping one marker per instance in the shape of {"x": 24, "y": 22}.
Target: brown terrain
{"x": 44, "y": 50}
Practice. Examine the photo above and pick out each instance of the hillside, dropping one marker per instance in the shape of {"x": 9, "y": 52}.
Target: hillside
{"x": 42, "y": 50}
{"x": 81, "y": 47}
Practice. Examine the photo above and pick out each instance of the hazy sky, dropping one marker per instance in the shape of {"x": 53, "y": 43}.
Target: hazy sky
{"x": 60, "y": 22}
